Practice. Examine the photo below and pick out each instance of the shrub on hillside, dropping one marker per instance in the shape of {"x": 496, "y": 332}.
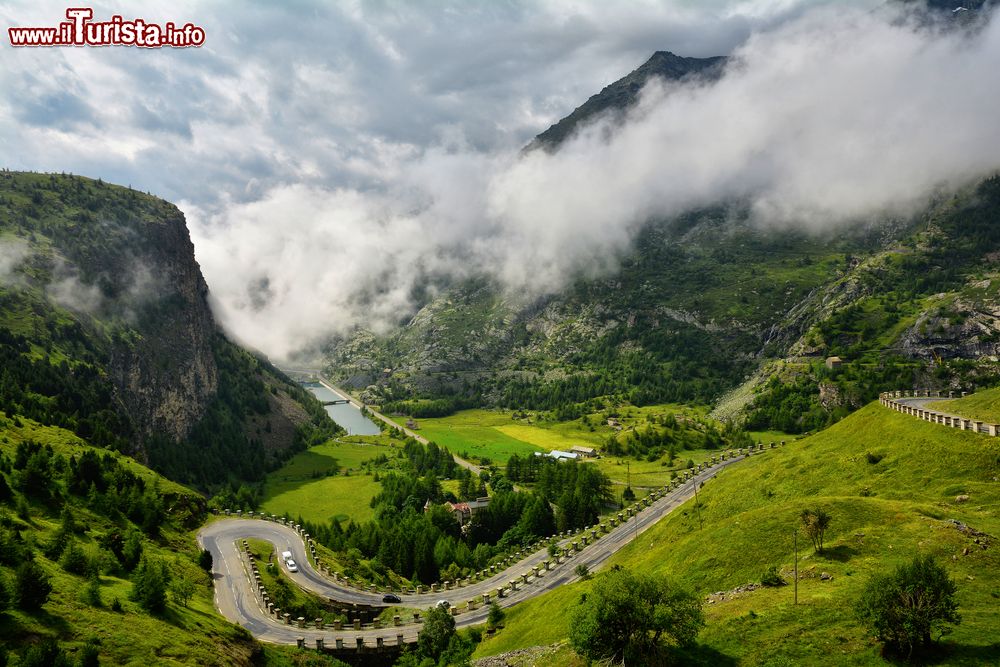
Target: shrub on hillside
{"x": 771, "y": 577}
{"x": 630, "y": 617}
{"x": 904, "y": 608}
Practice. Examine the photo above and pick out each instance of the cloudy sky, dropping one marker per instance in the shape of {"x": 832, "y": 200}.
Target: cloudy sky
{"x": 330, "y": 155}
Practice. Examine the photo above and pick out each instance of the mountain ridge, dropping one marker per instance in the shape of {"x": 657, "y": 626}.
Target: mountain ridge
{"x": 706, "y": 304}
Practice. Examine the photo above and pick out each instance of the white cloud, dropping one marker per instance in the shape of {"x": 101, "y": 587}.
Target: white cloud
{"x": 332, "y": 157}
{"x": 13, "y": 252}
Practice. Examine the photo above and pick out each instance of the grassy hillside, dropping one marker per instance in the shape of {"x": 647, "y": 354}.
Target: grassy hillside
{"x": 982, "y": 405}
{"x": 191, "y": 634}
{"x": 90, "y": 603}
{"x": 886, "y": 507}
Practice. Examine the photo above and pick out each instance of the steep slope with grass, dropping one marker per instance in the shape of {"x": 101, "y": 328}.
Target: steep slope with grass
{"x": 88, "y": 518}
{"x": 894, "y": 486}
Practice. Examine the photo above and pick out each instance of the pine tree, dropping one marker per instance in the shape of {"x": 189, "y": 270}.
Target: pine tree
{"x": 149, "y": 585}
{"x": 31, "y": 586}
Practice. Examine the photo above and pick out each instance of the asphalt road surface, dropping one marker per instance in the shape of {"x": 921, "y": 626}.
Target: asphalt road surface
{"x": 237, "y": 601}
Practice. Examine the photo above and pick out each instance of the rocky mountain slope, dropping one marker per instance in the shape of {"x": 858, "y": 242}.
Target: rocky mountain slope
{"x": 107, "y": 332}
{"x": 709, "y": 307}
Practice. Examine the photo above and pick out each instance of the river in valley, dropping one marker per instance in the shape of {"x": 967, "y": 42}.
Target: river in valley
{"x": 345, "y": 414}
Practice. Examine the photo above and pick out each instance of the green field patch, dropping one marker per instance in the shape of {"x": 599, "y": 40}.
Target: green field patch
{"x": 326, "y": 482}
{"x": 767, "y": 437}
{"x": 332, "y": 498}
{"x": 475, "y": 432}
{"x": 497, "y": 435}
{"x": 544, "y": 438}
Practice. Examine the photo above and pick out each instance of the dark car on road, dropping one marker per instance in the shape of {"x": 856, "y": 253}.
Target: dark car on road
{"x": 389, "y": 597}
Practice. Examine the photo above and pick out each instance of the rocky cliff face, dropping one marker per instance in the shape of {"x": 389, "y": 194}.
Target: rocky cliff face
{"x": 166, "y": 376}
{"x": 122, "y": 263}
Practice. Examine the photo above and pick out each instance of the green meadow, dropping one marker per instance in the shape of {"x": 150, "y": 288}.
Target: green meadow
{"x": 478, "y": 434}
{"x": 329, "y": 481}
{"x": 891, "y": 484}
{"x": 496, "y": 435}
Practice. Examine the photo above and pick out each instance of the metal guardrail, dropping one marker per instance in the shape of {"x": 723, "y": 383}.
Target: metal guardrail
{"x": 896, "y": 400}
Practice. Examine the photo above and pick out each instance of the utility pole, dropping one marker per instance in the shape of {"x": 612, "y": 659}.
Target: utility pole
{"x": 795, "y": 541}
{"x": 636, "y": 525}
{"x": 697, "y": 507}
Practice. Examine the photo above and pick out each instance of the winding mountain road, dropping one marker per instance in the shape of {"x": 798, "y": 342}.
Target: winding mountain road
{"x": 237, "y": 600}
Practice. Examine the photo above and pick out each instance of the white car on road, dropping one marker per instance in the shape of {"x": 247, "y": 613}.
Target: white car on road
{"x": 292, "y": 567}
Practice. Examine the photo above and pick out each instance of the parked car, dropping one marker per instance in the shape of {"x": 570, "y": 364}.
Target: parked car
{"x": 389, "y": 597}
{"x": 292, "y": 567}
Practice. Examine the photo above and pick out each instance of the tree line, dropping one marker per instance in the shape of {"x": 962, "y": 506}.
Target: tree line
{"x": 414, "y": 535}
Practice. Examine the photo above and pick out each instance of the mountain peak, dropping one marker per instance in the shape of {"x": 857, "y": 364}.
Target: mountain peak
{"x": 617, "y": 97}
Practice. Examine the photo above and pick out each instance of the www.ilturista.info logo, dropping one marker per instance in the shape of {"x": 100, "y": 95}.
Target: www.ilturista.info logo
{"x": 79, "y": 30}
